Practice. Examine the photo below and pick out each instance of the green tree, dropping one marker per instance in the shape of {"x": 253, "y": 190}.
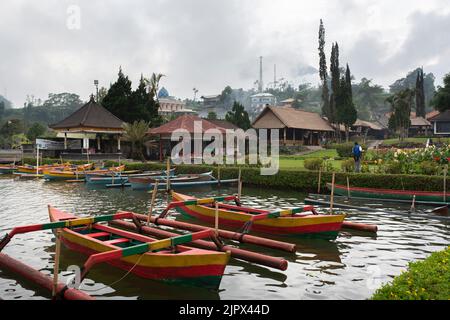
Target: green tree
{"x": 9, "y": 132}
{"x": 345, "y": 109}
{"x": 409, "y": 82}
{"x": 64, "y": 99}
{"x": 212, "y": 116}
{"x": 102, "y": 92}
{"x": 2, "y": 110}
{"x": 138, "y": 106}
{"x": 35, "y": 131}
{"x": 119, "y": 98}
{"x": 11, "y": 127}
{"x": 326, "y": 111}
{"x": 136, "y": 133}
{"x": 420, "y": 95}
{"x": 335, "y": 82}
{"x": 369, "y": 99}
{"x": 238, "y": 116}
{"x": 401, "y": 103}
{"x": 441, "y": 100}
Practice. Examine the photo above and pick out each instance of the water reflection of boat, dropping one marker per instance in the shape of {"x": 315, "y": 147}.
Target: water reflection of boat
{"x": 130, "y": 287}
{"x": 252, "y": 268}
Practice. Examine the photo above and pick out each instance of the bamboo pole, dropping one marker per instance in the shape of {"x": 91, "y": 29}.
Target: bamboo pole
{"x": 56, "y": 266}
{"x": 152, "y": 203}
{"x": 217, "y": 218}
{"x": 320, "y": 181}
{"x": 240, "y": 184}
{"x": 445, "y": 182}
{"x": 218, "y": 174}
{"x": 332, "y": 193}
{"x": 413, "y": 205}
{"x": 168, "y": 175}
{"x": 37, "y": 160}
{"x": 348, "y": 187}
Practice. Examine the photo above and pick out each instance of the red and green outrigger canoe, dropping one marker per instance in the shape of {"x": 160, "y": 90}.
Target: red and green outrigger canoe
{"x": 428, "y": 196}
{"x": 163, "y": 260}
{"x": 292, "y": 222}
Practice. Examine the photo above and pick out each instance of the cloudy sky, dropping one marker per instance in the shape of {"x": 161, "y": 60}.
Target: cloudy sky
{"x": 62, "y": 46}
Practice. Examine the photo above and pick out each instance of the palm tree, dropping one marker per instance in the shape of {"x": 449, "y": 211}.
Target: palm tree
{"x": 153, "y": 84}
{"x": 136, "y": 133}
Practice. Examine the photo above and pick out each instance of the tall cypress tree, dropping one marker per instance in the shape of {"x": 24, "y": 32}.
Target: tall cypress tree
{"x": 345, "y": 108}
{"x": 420, "y": 95}
{"x": 323, "y": 72}
{"x": 335, "y": 83}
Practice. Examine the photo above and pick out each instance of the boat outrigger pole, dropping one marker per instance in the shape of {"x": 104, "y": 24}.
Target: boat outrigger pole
{"x": 195, "y": 202}
{"x": 141, "y": 249}
{"x": 63, "y": 224}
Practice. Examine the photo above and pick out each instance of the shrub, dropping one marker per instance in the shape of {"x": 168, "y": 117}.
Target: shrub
{"x": 327, "y": 166}
{"x": 429, "y": 168}
{"x": 292, "y": 150}
{"x": 313, "y": 164}
{"x": 348, "y": 165}
{"x": 393, "y": 167}
{"x": 344, "y": 150}
{"x": 424, "y": 280}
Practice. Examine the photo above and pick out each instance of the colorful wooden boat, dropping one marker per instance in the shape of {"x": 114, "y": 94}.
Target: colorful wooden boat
{"x": 7, "y": 169}
{"x": 179, "y": 264}
{"x": 105, "y": 179}
{"x": 162, "y": 185}
{"x": 64, "y": 174}
{"x": 33, "y": 169}
{"x": 372, "y": 193}
{"x": 146, "y": 183}
{"x": 284, "y": 222}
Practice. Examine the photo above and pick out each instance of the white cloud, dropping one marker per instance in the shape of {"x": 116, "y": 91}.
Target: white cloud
{"x": 212, "y": 43}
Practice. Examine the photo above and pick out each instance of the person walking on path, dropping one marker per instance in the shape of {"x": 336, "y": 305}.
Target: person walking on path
{"x": 357, "y": 153}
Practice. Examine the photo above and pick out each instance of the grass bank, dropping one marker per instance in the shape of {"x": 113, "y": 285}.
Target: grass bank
{"x": 424, "y": 280}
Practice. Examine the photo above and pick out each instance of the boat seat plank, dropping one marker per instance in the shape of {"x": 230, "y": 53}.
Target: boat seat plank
{"x": 98, "y": 234}
{"x": 117, "y": 241}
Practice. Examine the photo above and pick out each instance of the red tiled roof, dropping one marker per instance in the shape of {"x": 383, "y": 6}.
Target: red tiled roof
{"x": 186, "y": 122}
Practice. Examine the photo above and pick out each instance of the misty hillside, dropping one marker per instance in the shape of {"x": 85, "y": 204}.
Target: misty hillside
{"x": 8, "y": 104}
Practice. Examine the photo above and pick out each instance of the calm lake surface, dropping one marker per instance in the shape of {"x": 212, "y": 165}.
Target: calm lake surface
{"x": 351, "y": 267}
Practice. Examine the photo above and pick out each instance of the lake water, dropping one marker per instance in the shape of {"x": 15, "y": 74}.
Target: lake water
{"x": 350, "y": 267}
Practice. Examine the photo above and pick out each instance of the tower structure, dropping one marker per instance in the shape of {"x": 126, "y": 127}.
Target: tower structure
{"x": 260, "y": 83}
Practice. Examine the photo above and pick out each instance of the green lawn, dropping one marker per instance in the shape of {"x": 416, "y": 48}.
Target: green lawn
{"x": 298, "y": 162}
{"x": 327, "y": 153}
{"x": 390, "y": 142}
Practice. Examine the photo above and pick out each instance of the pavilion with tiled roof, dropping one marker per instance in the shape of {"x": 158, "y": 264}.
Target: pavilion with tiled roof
{"x": 91, "y": 120}
{"x": 188, "y": 123}
{"x": 297, "y": 127}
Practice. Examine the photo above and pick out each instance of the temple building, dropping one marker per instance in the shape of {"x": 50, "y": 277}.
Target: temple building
{"x": 169, "y": 105}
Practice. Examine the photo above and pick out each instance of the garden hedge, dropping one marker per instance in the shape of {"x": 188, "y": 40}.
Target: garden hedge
{"x": 424, "y": 280}
{"x": 306, "y": 181}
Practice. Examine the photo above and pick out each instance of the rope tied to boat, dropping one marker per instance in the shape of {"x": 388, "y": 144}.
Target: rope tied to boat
{"x": 115, "y": 282}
